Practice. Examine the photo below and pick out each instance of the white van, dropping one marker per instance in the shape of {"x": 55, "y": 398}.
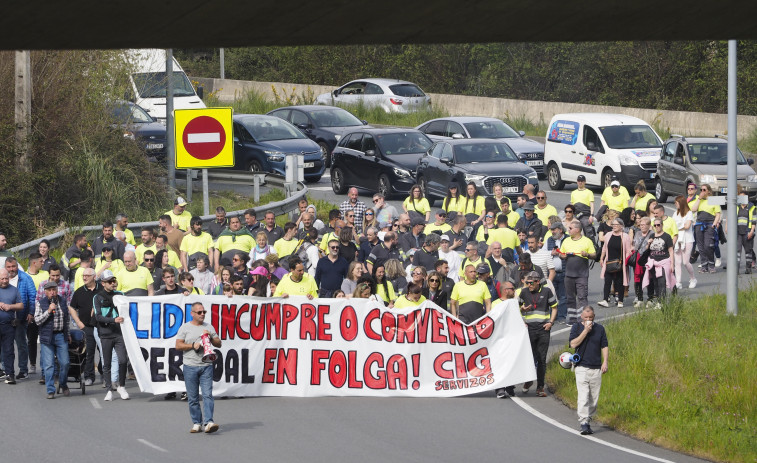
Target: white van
{"x": 600, "y": 146}
{"x": 148, "y": 83}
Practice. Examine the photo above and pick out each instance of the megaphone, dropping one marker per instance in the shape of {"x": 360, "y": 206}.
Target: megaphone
{"x": 567, "y": 359}
{"x": 209, "y": 356}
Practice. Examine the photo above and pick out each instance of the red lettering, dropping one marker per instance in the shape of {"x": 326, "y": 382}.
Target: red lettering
{"x": 462, "y": 372}
{"x": 317, "y": 365}
{"x": 439, "y": 367}
{"x": 455, "y": 330}
{"x": 352, "y": 381}
{"x": 323, "y": 326}
{"x": 241, "y": 333}
{"x": 369, "y": 332}
{"x": 388, "y": 326}
{"x": 378, "y": 381}
{"x": 307, "y": 325}
{"x": 287, "y": 366}
{"x": 228, "y": 321}
{"x": 348, "y": 323}
{"x": 337, "y": 369}
{"x": 485, "y": 327}
{"x": 406, "y": 327}
{"x": 290, "y": 313}
{"x": 268, "y": 356}
{"x": 423, "y": 325}
{"x": 257, "y": 321}
{"x": 273, "y": 316}
{"x": 214, "y": 317}
{"x": 470, "y": 330}
{"x": 473, "y": 363}
{"x": 437, "y": 326}
{"x": 396, "y": 372}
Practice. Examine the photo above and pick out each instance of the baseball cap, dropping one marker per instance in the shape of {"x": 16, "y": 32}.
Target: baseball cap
{"x": 528, "y": 206}
{"x": 482, "y": 268}
{"x": 418, "y": 221}
{"x": 614, "y": 183}
{"x": 441, "y": 212}
{"x": 581, "y": 178}
{"x": 533, "y": 276}
{"x": 180, "y": 202}
{"x": 107, "y": 275}
{"x": 446, "y": 237}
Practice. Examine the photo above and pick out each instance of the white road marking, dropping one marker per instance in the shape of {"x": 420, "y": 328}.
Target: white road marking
{"x": 320, "y": 188}
{"x": 95, "y": 403}
{"x": 518, "y": 401}
{"x": 151, "y": 445}
{"x": 211, "y": 137}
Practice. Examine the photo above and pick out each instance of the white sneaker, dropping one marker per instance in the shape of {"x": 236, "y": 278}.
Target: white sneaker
{"x": 603, "y": 304}
{"x": 122, "y": 392}
{"x": 109, "y": 396}
{"x": 717, "y": 262}
{"x": 700, "y": 265}
{"x": 32, "y": 369}
{"x": 620, "y": 303}
{"x": 693, "y": 283}
{"x": 211, "y": 427}
{"x": 679, "y": 285}
{"x": 195, "y": 428}
{"x": 638, "y": 303}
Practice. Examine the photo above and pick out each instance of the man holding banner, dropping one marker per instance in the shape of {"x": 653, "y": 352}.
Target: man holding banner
{"x": 197, "y": 373}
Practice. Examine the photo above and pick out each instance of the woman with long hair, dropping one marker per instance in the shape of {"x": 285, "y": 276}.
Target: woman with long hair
{"x": 347, "y": 247}
{"x": 628, "y": 216}
{"x": 108, "y": 261}
{"x": 452, "y": 201}
{"x": 418, "y": 276}
{"x": 384, "y": 287}
{"x": 433, "y": 290}
{"x": 396, "y": 275}
{"x": 662, "y": 260}
{"x": 354, "y": 271}
{"x": 44, "y": 250}
{"x": 262, "y": 249}
{"x": 472, "y": 206}
{"x": 684, "y": 219}
{"x": 498, "y": 195}
{"x": 615, "y": 251}
{"x": 416, "y": 204}
{"x": 221, "y": 278}
{"x": 369, "y": 220}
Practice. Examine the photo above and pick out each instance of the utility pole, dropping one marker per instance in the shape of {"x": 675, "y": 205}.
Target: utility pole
{"x": 23, "y": 112}
{"x": 223, "y": 71}
{"x": 170, "y": 142}
{"x": 732, "y": 275}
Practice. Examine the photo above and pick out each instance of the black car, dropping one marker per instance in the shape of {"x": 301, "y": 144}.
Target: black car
{"x": 324, "y": 125}
{"x": 483, "y": 162}
{"x": 139, "y": 126}
{"x": 379, "y": 160}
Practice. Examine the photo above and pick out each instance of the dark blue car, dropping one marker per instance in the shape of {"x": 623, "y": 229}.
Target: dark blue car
{"x": 261, "y": 144}
{"x": 324, "y": 125}
{"x": 137, "y": 125}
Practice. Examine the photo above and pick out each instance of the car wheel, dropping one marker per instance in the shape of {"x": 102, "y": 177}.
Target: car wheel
{"x": 424, "y": 188}
{"x": 659, "y": 193}
{"x": 554, "y": 178}
{"x": 384, "y": 187}
{"x": 325, "y": 154}
{"x": 607, "y": 176}
{"x": 337, "y": 181}
{"x": 255, "y": 167}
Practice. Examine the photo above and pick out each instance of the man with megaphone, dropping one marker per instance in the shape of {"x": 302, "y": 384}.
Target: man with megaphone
{"x": 196, "y": 340}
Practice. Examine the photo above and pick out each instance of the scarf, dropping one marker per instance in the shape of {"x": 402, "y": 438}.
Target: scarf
{"x": 233, "y": 234}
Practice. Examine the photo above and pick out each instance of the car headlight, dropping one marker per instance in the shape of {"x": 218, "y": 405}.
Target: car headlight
{"x": 129, "y": 135}
{"x": 708, "y": 179}
{"x": 274, "y": 156}
{"x": 477, "y": 179}
{"x": 401, "y": 173}
{"x": 533, "y": 176}
{"x": 751, "y": 178}
{"x": 337, "y": 137}
{"x": 628, "y": 160}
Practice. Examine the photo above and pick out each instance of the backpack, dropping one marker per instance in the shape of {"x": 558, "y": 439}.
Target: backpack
{"x": 300, "y": 252}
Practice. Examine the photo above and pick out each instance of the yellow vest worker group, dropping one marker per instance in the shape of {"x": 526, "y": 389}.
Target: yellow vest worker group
{"x": 302, "y": 288}
{"x": 138, "y": 279}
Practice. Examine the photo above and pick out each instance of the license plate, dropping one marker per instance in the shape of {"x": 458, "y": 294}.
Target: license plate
{"x": 309, "y": 165}
{"x": 724, "y": 190}
{"x": 510, "y": 189}
{"x": 155, "y": 146}
{"x": 534, "y": 163}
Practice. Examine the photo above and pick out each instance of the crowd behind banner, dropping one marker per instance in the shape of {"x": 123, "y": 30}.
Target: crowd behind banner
{"x": 464, "y": 257}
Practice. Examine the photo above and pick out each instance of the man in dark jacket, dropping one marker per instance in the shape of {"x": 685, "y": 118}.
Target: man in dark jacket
{"x": 52, "y": 318}
{"x": 107, "y": 239}
{"x": 108, "y": 320}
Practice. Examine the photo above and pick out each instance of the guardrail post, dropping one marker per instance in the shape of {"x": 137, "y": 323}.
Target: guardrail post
{"x": 256, "y": 189}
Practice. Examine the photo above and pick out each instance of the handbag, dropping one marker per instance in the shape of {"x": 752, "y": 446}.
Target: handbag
{"x": 632, "y": 258}
{"x": 612, "y": 266}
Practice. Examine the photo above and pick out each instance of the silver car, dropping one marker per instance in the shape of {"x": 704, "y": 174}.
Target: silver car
{"x": 529, "y": 151}
{"x": 391, "y": 95}
{"x": 700, "y": 160}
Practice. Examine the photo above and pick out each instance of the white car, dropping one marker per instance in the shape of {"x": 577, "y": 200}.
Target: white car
{"x": 391, "y": 95}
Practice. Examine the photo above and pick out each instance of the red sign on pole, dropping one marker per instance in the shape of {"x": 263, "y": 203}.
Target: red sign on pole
{"x": 204, "y": 137}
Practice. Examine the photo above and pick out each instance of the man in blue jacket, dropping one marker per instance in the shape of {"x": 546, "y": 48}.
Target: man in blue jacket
{"x": 28, "y": 290}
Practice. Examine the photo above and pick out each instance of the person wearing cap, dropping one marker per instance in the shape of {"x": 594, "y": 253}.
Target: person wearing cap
{"x": 10, "y": 303}
{"x": 614, "y": 197}
{"x": 484, "y": 273}
{"x": 538, "y": 307}
{"x": 80, "y": 309}
{"x": 575, "y": 251}
{"x": 440, "y": 226}
{"x": 428, "y": 254}
{"x": 451, "y": 257}
{"x": 543, "y": 210}
{"x": 553, "y": 246}
{"x": 470, "y": 297}
{"x": 179, "y": 216}
{"x": 107, "y": 239}
{"x": 530, "y": 223}
{"x": 52, "y": 318}
{"x": 582, "y": 200}
{"x": 108, "y": 322}
{"x": 415, "y": 238}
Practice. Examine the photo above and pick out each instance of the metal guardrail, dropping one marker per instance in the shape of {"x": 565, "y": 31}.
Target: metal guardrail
{"x": 284, "y": 206}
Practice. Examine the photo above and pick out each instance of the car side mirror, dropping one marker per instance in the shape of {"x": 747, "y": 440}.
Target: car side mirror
{"x": 591, "y": 146}
{"x": 750, "y": 161}
{"x": 236, "y": 139}
{"x": 678, "y": 160}
{"x": 336, "y": 92}
{"x": 303, "y": 126}
{"x": 370, "y": 153}
{"x": 201, "y": 91}
{"x": 447, "y": 160}
{"x": 521, "y": 133}
{"x": 457, "y": 136}
{"x": 364, "y": 122}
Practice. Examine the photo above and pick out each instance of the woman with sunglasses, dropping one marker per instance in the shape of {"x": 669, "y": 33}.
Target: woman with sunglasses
{"x": 570, "y": 215}
{"x": 369, "y": 220}
{"x": 684, "y": 219}
{"x": 418, "y": 276}
{"x": 707, "y": 223}
{"x": 416, "y": 205}
{"x": 384, "y": 287}
{"x": 662, "y": 260}
{"x": 452, "y": 202}
{"x": 615, "y": 250}
{"x": 107, "y": 261}
{"x": 433, "y": 290}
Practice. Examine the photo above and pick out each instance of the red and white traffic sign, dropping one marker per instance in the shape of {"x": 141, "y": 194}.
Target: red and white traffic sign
{"x": 203, "y": 138}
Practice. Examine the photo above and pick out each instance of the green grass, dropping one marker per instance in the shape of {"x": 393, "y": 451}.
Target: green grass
{"x": 748, "y": 144}
{"x": 534, "y": 129}
{"x": 682, "y": 378}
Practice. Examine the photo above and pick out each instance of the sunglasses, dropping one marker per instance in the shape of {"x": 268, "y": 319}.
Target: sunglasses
{"x": 489, "y": 216}
{"x": 395, "y": 226}
{"x": 350, "y": 215}
{"x": 369, "y": 213}
{"x": 333, "y": 247}
{"x": 236, "y": 259}
{"x": 433, "y": 280}
{"x": 541, "y": 197}
{"x": 615, "y": 186}
{"x": 531, "y": 282}
{"x": 658, "y": 225}
{"x": 568, "y": 210}
{"x": 376, "y": 200}
{"x": 202, "y": 312}
{"x": 150, "y": 260}
{"x": 442, "y": 215}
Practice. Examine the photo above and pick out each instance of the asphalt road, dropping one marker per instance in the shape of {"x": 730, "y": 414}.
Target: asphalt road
{"x": 332, "y": 429}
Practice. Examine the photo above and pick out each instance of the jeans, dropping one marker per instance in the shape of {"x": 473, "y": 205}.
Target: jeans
{"x": 59, "y": 348}
{"x": 113, "y": 361}
{"x": 109, "y": 345}
{"x": 7, "y": 335}
{"x": 23, "y": 348}
{"x": 562, "y": 300}
{"x": 196, "y": 378}
{"x": 539, "y": 338}
{"x": 32, "y": 333}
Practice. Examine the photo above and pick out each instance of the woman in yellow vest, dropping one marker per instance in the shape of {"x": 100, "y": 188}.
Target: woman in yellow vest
{"x": 417, "y": 203}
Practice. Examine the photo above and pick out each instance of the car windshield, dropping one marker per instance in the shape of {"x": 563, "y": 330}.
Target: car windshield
{"x": 630, "y": 136}
{"x": 406, "y": 90}
{"x": 334, "y": 118}
{"x": 475, "y": 153}
{"x": 403, "y": 143}
{"x": 490, "y": 129}
{"x": 712, "y": 153}
{"x": 268, "y": 128}
{"x": 153, "y": 84}
{"x": 130, "y": 114}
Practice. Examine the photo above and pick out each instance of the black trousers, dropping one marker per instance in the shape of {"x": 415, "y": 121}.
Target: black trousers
{"x": 615, "y": 278}
{"x": 539, "y": 346}
{"x": 32, "y": 334}
{"x": 89, "y": 363}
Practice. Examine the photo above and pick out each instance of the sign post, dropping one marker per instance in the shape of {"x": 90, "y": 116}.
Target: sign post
{"x": 204, "y": 139}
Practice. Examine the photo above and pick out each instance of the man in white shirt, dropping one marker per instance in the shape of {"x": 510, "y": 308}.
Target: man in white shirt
{"x": 452, "y": 258}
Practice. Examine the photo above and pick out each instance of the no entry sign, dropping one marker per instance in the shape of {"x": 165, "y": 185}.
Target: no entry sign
{"x": 204, "y": 138}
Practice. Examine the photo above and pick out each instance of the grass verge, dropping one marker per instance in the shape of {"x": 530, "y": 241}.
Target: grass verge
{"x": 683, "y": 378}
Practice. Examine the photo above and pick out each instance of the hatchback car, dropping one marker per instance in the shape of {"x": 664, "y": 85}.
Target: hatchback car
{"x": 529, "y": 151}
{"x": 700, "y": 160}
{"x": 483, "y": 162}
{"x": 324, "y": 125}
{"x": 391, "y": 95}
{"x": 137, "y": 125}
{"x": 378, "y": 160}
{"x": 262, "y": 143}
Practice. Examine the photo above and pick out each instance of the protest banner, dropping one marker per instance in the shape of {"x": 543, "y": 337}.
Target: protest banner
{"x": 329, "y": 347}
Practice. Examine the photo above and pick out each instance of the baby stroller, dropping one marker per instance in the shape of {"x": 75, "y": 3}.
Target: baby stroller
{"x": 77, "y": 354}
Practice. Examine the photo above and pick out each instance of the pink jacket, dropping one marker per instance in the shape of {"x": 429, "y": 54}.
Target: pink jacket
{"x": 661, "y": 265}
{"x": 626, "y": 249}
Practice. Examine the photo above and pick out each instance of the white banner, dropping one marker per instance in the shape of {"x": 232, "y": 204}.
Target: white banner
{"x": 330, "y": 347}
